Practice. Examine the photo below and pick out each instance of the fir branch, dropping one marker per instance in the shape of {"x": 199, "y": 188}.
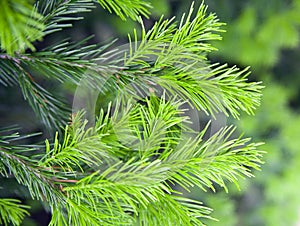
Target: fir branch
{"x": 213, "y": 90}
{"x": 216, "y": 159}
{"x": 189, "y": 42}
{"x": 157, "y": 124}
{"x": 8, "y": 74}
{"x": 14, "y": 162}
{"x": 64, "y": 62}
{"x": 134, "y": 184}
{"x": 83, "y": 213}
{"x": 58, "y": 13}
{"x": 121, "y": 170}
{"x": 169, "y": 45}
{"x": 127, "y": 187}
{"x": 175, "y": 59}
{"x": 126, "y": 8}
{"x": 38, "y": 181}
{"x": 115, "y": 188}
{"x": 20, "y": 26}
{"x": 79, "y": 148}
{"x": 237, "y": 93}
{"x": 12, "y": 212}
{"x": 52, "y": 111}
{"x": 173, "y": 210}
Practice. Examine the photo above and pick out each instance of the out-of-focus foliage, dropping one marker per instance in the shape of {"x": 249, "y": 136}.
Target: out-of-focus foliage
{"x": 260, "y": 31}
{"x": 265, "y": 35}
{"x": 11, "y": 211}
{"x": 20, "y": 25}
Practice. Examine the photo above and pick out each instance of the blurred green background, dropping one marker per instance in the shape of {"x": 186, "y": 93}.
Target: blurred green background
{"x": 263, "y": 34}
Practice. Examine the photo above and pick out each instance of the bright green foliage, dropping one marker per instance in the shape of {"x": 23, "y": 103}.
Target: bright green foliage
{"x": 20, "y": 26}
{"x": 185, "y": 48}
{"x": 126, "y": 8}
{"x": 131, "y": 166}
{"x": 11, "y": 211}
{"x": 93, "y": 170}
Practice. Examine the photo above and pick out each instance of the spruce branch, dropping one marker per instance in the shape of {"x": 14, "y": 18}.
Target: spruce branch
{"x": 18, "y": 161}
{"x": 11, "y": 211}
{"x": 181, "y": 211}
{"x": 52, "y": 111}
{"x": 123, "y": 9}
{"x": 123, "y": 169}
{"x": 20, "y": 26}
{"x": 167, "y": 43}
{"x": 129, "y": 185}
{"x": 8, "y": 75}
{"x": 64, "y": 62}
{"x": 174, "y": 58}
{"x": 58, "y": 13}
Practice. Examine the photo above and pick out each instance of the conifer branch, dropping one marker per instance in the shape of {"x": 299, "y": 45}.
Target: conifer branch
{"x": 58, "y": 13}
{"x": 175, "y": 59}
{"x": 11, "y": 211}
{"x": 19, "y": 162}
{"x": 38, "y": 181}
{"x": 123, "y": 169}
{"x": 91, "y": 178}
{"x": 204, "y": 162}
{"x": 168, "y": 44}
{"x": 182, "y": 211}
{"x": 123, "y": 9}
{"x": 20, "y": 26}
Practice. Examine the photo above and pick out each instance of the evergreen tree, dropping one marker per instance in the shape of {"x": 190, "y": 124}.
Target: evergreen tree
{"x": 126, "y": 156}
